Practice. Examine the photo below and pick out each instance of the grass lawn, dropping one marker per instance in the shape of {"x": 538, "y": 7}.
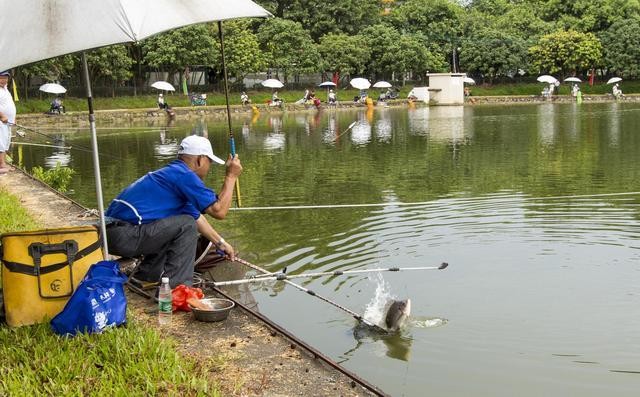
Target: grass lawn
{"x": 129, "y": 360}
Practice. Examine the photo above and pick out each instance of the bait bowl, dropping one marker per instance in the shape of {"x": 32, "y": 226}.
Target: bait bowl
{"x": 219, "y": 311}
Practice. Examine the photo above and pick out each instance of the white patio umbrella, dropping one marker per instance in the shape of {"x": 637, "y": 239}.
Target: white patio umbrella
{"x": 272, "y": 83}
{"x": 614, "y": 80}
{"x": 468, "y": 80}
{"x": 163, "y": 85}
{"x": 67, "y": 26}
{"x": 360, "y": 83}
{"x": 545, "y": 78}
{"x": 328, "y": 85}
{"x": 382, "y": 84}
{"x": 52, "y": 88}
{"x": 572, "y": 80}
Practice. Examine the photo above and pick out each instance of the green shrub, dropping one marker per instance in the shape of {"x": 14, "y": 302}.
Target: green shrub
{"x": 58, "y": 178}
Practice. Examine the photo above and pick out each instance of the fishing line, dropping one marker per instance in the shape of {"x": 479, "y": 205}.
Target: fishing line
{"x": 41, "y": 144}
{"x": 416, "y": 203}
{"x": 76, "y": 147}
{"x": 113, "y": 128}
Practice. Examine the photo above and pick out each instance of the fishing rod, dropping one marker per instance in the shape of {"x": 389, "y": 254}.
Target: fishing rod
{"x": 355, "y": 315}
{"x": 283, "y": 276}
{"x": 347, "y": 130}
{"x": 232, "y": 141}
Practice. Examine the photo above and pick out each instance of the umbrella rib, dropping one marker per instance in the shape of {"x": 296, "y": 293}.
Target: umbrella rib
{"x": 128, "y": 29}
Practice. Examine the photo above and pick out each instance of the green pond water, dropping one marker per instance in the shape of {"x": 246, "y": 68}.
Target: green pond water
{"x": 535, "y": 207}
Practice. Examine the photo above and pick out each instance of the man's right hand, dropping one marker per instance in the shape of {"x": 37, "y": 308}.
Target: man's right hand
{"x": 234, "y": 168}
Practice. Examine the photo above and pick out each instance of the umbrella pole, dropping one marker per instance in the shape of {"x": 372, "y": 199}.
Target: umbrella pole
{"x": 96, "y": 159}
{"x": 232, "y": 142}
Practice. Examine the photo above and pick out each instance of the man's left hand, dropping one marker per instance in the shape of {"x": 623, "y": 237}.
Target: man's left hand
{"x": 228, "y": 250}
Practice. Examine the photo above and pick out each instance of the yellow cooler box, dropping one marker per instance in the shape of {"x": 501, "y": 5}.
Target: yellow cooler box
{"x": 41, "y": 269}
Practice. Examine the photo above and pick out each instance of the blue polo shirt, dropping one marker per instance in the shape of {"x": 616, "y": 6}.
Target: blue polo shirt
{"x": 172, "y": 190}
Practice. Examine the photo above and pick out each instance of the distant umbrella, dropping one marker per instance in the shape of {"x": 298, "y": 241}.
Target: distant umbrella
{"x": 163, "y": 85}
{"x": 360, "y": 83}
{"x": 468, "y": 80}
{"x": 572, "y": 80}
{"x": 614, "y": 80}
{"x": 545, "y": 78}
{"x": 272, "y": 83}
{"x": 53, "y": 88}
{"x": 327, "y": 84}
{"x": 382, "y": 84}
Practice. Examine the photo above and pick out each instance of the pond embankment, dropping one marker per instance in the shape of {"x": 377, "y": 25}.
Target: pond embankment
{"x": 126, "y": 116}
{"x": 246, "y": 357}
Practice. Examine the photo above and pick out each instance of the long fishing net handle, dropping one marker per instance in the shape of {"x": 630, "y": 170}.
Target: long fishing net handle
{"x": 281, "y": 276}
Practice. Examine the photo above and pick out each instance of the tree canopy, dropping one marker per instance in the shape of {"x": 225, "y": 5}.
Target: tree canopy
{"x": 566, "y": 52}
{"x": 489, "y": 39}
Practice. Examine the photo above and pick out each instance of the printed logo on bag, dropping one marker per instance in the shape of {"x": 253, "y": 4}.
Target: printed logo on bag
{"x": 55, "y": 285}
{"x": 101, "y": 320}
{"x": 107, "y": 295}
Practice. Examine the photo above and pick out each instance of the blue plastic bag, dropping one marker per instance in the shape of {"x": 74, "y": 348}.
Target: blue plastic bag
{"x": 97, "y": 304}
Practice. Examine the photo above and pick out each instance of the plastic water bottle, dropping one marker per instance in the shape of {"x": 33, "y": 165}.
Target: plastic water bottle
{"x": 164, "y": 302}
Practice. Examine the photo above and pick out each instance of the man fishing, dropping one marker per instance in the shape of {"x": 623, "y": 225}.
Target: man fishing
{"x": 159, "y": 215}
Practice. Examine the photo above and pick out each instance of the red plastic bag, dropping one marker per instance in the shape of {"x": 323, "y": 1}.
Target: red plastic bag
{"x": 181, "y": 294}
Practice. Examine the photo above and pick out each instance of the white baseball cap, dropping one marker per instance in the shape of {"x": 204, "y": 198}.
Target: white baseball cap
{"x": 198, "y": 146}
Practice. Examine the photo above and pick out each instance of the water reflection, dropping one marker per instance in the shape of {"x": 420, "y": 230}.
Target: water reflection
{"x": 166, "y": 148}
{"x": 276, "y": 139}
{"x": 614, "y": 124}
{"x": 60, "y": 157}
{"x": 361, "y": 132}
{"x": 392, "y": 345}
{"x": 547, "y": 123}
{"x": 383, "y": 129}
{"x": 449, "y": 124}
{"x": 468, "y": 122}
{"x": 571, "y": 125}
{"x": 200, "y": 128}
{"x": 419, "y": 120}
{"x": 329, "y": 134}
{"x": 245, "y": 130}
{"x": 446, "y": 124}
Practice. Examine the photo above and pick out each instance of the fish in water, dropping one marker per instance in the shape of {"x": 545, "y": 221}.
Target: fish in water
{"x": 397, "y": 314}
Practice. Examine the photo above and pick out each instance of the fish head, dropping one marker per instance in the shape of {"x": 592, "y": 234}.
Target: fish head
{"x": 397, "y": 314}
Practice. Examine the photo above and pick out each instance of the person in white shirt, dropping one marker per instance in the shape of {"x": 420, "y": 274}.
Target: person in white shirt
{"x": 332, "y": 97}
{"x": 574, "y": 90}
{"x": 7, "y": 117}
{"x": 244, "y": 98}
{"x": 161, "y": 103}
{"x": 617, "y": 92}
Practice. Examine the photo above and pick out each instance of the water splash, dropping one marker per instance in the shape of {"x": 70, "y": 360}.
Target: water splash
{"x": 428, "y": 322}
{"x": 375, "y": 310}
